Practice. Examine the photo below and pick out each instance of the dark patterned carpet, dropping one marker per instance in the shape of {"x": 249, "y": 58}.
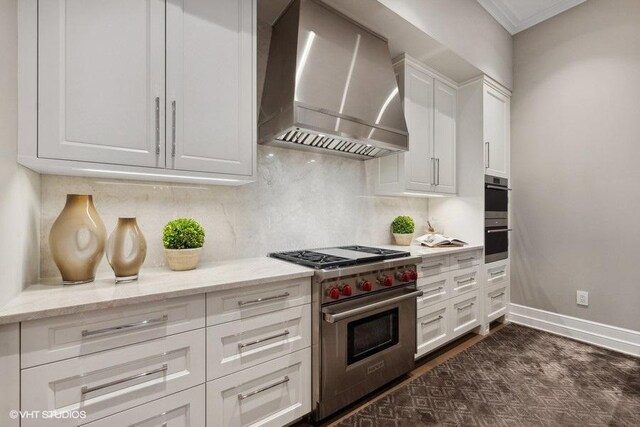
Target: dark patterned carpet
{"x": 516, "y": 377}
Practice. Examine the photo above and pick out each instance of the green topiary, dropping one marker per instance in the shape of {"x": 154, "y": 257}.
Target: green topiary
{"x": 403, "y": 225}
{"x": 183, "y": 233}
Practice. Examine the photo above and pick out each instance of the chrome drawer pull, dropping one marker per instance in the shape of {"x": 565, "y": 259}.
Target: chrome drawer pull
{"x": 114, "y": 329}
{"x": 429, "y": 267}
{"x": 467, "y": 282}
{"x": 497, "y": 295}
{"x": 284, "y": 334}
{"x": 439, "y": 288}
{"x": 265, "y": 299}
{"x": 265, "y": 388}
{"x": 496, "y": 273}
{"x": 87, "y": 390}
{"x": 428, "y": 322}
{"x": 466, "y": 259}
{"x": 462, "y": 307}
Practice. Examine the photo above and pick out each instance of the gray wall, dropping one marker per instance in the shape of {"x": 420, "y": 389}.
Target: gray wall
{"x": 466, "y": 28}
{"x": 576, "y": 163}
{"x": 19, "y": 188}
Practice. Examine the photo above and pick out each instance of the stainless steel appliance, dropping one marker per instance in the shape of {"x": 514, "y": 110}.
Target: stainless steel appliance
{"x": 496, "y": 218}
{"x": 330, "y": 86}
{"x": 364, "y": 321}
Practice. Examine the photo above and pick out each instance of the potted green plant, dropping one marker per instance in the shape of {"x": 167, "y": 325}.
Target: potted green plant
{"x": 183, "y": 239}
{"x": 403, "y": 228}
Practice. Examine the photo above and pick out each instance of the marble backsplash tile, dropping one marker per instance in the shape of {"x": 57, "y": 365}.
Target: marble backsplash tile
{"x": 300, "y": 200}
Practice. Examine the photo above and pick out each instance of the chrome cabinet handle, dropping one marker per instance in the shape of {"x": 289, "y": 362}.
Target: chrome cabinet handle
{"x": 496, "y": 187}
{"x": 467, "y": 259}
{"x": 430, "y": 267}
{"x": 265, "y": 388}
{"x": 173, "y": 129}
{"x": 433, "y": 171}
{"x": 487, "y": 162}
{"x": 497, "y": 295}
{"x": 114, "y": 329}
{"x": 504, "y": 230}
{"x": 265, "y": 299}
{"x": 428, "y": 322}
{"x": 496, "y": 273}
{"x": 258, "y": 341}
{"x": 470, "y": 280}
{"x": 157, "y": 125}
{"x": 87, "y": 390}
{"x": 438, "y": 175}
{"x": 462, "y": 307}
{"x": 439, "y": 288}
{"x": 335, "y": 317}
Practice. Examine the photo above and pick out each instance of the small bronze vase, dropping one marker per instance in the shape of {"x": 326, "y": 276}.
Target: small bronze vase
{"x": 126, "y": 250}
{"x": 77, "y": 240}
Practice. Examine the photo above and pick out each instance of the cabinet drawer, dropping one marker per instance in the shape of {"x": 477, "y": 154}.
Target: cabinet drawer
{"x": 273, "y": 393}
{"x": 183, "y": 409}
{"x": 496, "y": 301}
{"x": 50, "y": 340}
{"x": 433, "y": 327}
{"x": 241, "y": 344}
{"x": 434, "y": 288}
{"x": 465, "y": 259}
{"x": 433, "y": 266}
{"x": 498, "y": 272}
{"x": 235, "y": 304}
{"x": 114, "y": 380}
{"x": 465, "y": 313}
{"x": 465, "y": 280}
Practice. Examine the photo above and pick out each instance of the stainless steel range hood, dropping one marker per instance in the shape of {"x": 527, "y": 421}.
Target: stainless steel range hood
{"x": 330, "y": 86}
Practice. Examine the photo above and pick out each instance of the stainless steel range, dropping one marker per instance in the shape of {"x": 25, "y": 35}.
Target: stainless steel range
{"x": 364, "y": 320}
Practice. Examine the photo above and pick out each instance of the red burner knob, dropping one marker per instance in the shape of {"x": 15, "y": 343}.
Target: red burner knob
{"x": 413, "y": 275}
{"x": 347, "y": 291}
{"x": 403, "y": 277}
{"x": 334, "y": 293}
{"x": 386, "y": 280}
{"x": 366, "y": 286}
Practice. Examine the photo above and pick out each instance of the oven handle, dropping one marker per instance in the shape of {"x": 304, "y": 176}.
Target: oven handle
{"x": 495, "y": 187}
{"x": 503, "y": 230}
{"x": 333, "y": 318}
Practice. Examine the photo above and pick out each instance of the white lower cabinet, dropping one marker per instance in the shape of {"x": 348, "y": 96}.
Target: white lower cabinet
{"x": 111, "y": 381}
{"x": 465, "y": 312}
{"x": 497, "y": 272}
{"x": 433, "y": 327}
{"x": 496, "y": 301}
{"x": 244, "y": 343}
{"x": 273, "y": 393}
{"x": 465, "y": 280}
{"x": 183, "y": 409}
{"x": 435, "y": 289}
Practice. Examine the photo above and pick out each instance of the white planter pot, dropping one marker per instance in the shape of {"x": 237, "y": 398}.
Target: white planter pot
{"x": 403, "y": 239}
{"x": 183, "y": 259}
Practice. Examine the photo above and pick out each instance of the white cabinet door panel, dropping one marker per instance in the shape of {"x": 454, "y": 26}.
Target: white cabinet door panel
{"x": 465, "y": 313}
{"x": 496, "y": 132}
{"x": 444, "y": 141}
{"x": 211, "y": 85}
{"x": 433, "y": 327}
{"x": 101, "y": 81}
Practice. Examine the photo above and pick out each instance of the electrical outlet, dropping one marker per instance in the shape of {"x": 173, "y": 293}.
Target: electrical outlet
{"x": 582, "y": 298}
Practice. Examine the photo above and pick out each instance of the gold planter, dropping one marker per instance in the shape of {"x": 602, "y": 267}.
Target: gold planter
{"x": 183, "y": 259}
{"x": 77, "y": 240}
{"x": 126, "y": 250}
{"x": 403, "y": 239}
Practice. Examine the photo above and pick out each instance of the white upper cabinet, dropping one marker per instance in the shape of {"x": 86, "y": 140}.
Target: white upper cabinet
{"x": 101, "y": 81}
{"x": 496, "y": 120}
{"x": 210, "y": 85}
{"x": 141, "y": 89}
{"x": 429, "y": 167}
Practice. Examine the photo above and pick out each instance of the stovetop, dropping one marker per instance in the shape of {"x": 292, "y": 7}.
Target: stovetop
{"x": 342, "y": 256}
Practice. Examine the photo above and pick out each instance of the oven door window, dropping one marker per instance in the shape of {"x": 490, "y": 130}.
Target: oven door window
{"x": 496, "y": 242}
{"x": 496, "y": 200}
{"x": 371, "y": 335}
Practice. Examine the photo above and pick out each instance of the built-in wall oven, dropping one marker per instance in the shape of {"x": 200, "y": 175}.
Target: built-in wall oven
{"x": 496, "y": 231}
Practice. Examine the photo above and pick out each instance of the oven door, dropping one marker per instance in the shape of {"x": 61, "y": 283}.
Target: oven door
{"x": 496, "y": 240}
{"x": 365, "y": 344}
{"x": 496, "y": 197}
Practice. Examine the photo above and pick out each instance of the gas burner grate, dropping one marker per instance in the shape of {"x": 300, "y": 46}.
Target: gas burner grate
{"x": 314, "y": 259}
{"x": 387, "y": 253}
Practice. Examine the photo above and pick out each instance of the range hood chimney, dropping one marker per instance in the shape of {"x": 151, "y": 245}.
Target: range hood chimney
{"x": 330, "y": 86}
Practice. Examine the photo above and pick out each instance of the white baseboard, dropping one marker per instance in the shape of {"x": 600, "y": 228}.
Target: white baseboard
{"x": 601, "y": 335}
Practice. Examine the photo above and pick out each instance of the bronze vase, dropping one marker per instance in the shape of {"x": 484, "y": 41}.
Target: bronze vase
{"x": 126, "y": 250}
{"x": 77, "y": 240}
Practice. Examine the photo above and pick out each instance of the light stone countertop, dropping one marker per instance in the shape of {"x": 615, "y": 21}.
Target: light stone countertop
{"x": 50, "y": 298}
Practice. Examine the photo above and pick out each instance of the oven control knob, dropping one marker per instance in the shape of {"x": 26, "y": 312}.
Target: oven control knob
{"x": 386, "y": 280}
{"x": 413, "y": 274}
{"x": 334, "y": 293}
{"x": 403, "y": 277}
{"x": 347, "y": 291}
{"x": 366, "y": 285}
